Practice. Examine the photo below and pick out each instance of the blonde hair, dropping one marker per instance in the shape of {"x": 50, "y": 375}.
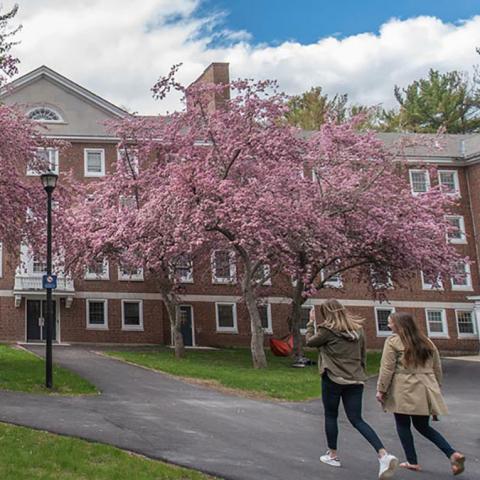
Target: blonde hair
{"x": 336, "y": 317}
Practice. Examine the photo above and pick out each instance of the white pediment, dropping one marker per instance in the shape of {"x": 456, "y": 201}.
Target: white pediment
{"x": 80, "y": 112}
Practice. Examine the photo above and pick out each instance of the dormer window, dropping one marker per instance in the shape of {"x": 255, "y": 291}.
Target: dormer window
{"x": 44, "y": 114}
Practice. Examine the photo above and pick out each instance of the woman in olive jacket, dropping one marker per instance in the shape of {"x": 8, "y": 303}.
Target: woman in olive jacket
{"x": 341, "y": 358}
{"x": 409, "y": 387}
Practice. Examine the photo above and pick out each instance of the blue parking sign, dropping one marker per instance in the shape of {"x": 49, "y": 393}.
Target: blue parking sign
{"x": 49, "y": 281}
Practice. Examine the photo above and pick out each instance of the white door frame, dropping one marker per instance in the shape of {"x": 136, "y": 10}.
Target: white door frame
{"x": 194, "y": 343}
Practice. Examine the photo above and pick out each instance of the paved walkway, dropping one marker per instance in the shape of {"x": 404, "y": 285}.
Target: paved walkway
{"x": 233, "y": 437}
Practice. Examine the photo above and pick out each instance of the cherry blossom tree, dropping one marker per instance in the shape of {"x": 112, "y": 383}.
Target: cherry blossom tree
{"x": 363, "y": 219}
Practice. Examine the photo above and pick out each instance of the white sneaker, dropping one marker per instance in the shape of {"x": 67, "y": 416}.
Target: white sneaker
{"x": 388, "y": 465}
{"x": 332, "y": 461}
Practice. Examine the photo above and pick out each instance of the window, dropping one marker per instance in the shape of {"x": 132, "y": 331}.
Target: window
{"x": 98, "y": 271}
{"x": 94, "y": 159}
{"x": 265, "y": 312}
{"x": 44, "y": 159}
{"x": 419, "y": 181}
{"x": 44, "y": 114}
{"x": 456, "y": 234}
{"x": 333, "y": 281}
{"x": 448, "y": 179}
{"x": 381, "y": 280}
{"x": 127, "y": 202}
{"x": 381, "y": 320}
{"x": 97, "y": 317}
{"x": 428, "y": 284}
{"x": 466, "y": 323}
{"x": 436, "y": 323}
{"x": 132, "y": 315}
{"x": 130, "y": 157}
{"x": 38, "y": 265}
{"x": 305, "y": 317}
{"x": 223, "y": 267}
{"x": 263, "y": 273}
{"x": 226, "y": 316}
{"x": 183, "y": 269}
{"x": 126, "y": 273}
{"x": 464, "y": 280}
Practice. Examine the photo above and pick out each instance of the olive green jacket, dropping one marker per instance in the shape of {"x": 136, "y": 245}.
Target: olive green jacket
{"x": 341, "y": 354}
{"x": 411, "y": 391}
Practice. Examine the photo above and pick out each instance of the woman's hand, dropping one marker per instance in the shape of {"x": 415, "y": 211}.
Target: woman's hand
{"x": 380, "y": 396}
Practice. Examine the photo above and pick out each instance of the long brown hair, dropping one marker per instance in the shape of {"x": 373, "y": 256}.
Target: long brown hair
{"x": 336, "y": 317}
{"x": 418, "y": 347}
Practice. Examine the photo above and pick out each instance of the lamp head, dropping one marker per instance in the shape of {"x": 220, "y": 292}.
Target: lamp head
{"x": 49, "y": 181}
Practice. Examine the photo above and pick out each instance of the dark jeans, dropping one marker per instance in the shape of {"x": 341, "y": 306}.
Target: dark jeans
{"x": 421, "y": 424}
{"x": 351, "y": 396}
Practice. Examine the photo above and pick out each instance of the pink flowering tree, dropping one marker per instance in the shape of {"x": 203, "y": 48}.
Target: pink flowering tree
{"x": 22, "y": 199}
{"x": 363, "y": 219}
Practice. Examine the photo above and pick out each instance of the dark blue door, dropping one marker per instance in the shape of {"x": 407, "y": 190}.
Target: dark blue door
{"x": 186, "y": 319}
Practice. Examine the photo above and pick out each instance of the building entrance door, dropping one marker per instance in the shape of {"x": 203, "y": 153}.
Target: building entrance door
{"x": 36, "y": 310}
{"x": 187, "y": 327}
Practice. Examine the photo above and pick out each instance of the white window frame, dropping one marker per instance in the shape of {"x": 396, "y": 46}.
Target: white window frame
{"x": 474, "y": 322}
{"x": 429, "y": 286}
{"x": 467, "y": 287}
{"x": 101, "y": 151}
{"x": 456, "y": 191}
{"x": 233, "y": 269}
{"x": 332, "y": 283}
{"x": 463, "y": 239}
{"x": 269, "y": 328}
{"x": 137, "y": 328}
{"x": 182, "y": 279}
{"x": 382, "y": 286}
{"x": 42, "y": 120}
{"x": 266, "y": 273}
{"x": 220, "y": 329}
{"x": 303, "y": 331}
{"x": 382, "y": 333}
{"x": 135, "y": 162}
{"x": 53, "y": 159}
{"x": 105, "y": 275}
{"x": 136, "y": 277}
{"x": 444, "y": 332}
{"x": 412, "y": 170}
{"x": 96, "y": 326}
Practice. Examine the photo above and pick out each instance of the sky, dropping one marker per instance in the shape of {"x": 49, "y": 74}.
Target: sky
{"x": 118, "y": 48}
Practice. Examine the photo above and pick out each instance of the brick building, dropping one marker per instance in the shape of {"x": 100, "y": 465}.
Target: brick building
{"x": 110, "y": 306}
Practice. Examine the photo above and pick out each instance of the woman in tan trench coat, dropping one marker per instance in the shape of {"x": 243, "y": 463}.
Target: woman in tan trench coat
{"x": 409, "y": 387}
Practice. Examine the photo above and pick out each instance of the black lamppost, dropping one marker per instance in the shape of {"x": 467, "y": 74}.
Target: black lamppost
{"x": 49, "y": 181}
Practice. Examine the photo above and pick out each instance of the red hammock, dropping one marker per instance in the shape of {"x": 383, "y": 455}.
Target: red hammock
{"x": 282, "y": 347}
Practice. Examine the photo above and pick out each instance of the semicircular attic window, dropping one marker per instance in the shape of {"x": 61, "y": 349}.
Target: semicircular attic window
{"x": 44, "y": 114}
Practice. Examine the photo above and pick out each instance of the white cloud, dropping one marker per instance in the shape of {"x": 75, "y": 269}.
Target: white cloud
{"x": 118, "y": 48}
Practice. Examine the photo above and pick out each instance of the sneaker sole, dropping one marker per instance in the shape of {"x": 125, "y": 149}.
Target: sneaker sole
{"x": 388, "y": 473}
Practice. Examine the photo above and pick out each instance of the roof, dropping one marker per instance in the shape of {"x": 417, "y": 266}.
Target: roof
{"x": 55, "y": 77}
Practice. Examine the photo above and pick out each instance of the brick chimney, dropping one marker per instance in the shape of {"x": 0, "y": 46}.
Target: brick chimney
{"x": 217, "y": 73}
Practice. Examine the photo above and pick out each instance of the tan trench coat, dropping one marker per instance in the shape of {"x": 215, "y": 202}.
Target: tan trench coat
{"x": 411, "y": 391}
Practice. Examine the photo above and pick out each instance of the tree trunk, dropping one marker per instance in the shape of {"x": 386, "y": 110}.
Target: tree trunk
{"x": 256, "y": 345}
{"x": 175, "y": 325}
{"x": 296, "y": 316}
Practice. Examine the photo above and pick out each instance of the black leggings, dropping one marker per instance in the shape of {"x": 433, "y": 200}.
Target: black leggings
{"x": 351, "y": 396}
{"x": 421, "y": 424}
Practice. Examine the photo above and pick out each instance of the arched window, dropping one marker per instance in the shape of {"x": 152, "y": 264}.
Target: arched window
{"x": 44, "y": 114}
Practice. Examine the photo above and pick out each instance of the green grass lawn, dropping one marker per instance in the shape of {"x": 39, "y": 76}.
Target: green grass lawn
{"x": 27, "y": 454}
{"x": 24, "y": 372}
{"x": 232, "y": 368}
